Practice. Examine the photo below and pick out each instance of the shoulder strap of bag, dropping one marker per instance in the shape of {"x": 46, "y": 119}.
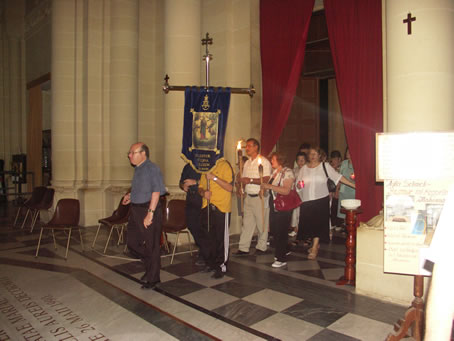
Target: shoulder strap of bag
{"x": 280, "y": 178}
{"x": 324, "y": 168}
{"x": 282, "y": 173}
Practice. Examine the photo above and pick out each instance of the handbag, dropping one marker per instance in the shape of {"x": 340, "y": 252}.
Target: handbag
{"x": 287, "y": 202}
{"x": 329, "y": 183}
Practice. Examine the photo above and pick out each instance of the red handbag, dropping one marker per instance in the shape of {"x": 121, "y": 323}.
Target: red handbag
{"x": 287, "y": 202}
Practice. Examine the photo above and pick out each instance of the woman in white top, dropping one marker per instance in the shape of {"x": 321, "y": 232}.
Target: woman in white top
{"x": 315, "y": 210}
{"x": 281, "y": 182}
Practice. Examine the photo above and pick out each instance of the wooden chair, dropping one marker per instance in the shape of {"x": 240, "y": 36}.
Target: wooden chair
{"x": 174, "y": 221}
{"x": 36, "y": 197}
{"x": 44, "y": 205}
{"x": 117, "y": 221}
{"x": 65, "y": 218}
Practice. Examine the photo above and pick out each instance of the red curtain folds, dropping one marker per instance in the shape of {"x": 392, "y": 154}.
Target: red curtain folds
{"x": 283, "y": 33}
{"x": 354, "y": 30}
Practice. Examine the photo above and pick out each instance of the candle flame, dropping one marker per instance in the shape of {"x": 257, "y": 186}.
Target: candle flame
{"x": 238, "y": 145}
{"x": 259, "y": 160}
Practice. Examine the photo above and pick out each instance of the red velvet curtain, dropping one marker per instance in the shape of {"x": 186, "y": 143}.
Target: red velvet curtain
{"x": 354, "y": 30}
{"x": 283, "y": 32}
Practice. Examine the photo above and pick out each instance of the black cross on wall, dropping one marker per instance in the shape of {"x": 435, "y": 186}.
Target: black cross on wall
{"x": 408, "y": 22}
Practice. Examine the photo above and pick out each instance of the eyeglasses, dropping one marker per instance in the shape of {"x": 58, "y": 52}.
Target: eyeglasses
{"x": 129, "y": 153}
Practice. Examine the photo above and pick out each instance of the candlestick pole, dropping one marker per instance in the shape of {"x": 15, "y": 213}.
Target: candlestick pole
{"x": 240, "y": 166}
{"x": 261, "y": 192}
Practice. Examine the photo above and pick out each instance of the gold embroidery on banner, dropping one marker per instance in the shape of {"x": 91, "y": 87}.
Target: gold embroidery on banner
{"x": 205, "y": 104}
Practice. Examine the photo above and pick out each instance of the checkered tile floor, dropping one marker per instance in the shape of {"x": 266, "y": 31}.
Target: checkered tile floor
{"x": 298, "y": 302}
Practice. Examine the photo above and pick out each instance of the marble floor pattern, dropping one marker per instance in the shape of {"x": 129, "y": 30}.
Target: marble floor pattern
{"x": 96, "y": 296}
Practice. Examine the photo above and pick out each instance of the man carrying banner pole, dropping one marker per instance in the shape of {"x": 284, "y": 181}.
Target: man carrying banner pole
{"x": 217, "y": 202}
{"x": 205, "y": 122}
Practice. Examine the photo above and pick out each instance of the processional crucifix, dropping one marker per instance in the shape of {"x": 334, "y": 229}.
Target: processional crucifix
{"x": 207, "y": 58}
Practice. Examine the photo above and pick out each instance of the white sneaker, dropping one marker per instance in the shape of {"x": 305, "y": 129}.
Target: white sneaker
{"x": 292, "y": 234}
{"x": 278, "y": 264}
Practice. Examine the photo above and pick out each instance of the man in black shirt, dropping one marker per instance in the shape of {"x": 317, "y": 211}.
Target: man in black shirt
{"x": 189, "y": 182}
{"x": 144, "y": 225}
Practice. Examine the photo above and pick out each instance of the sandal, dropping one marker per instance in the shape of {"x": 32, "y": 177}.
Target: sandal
{"x": 313, "y": 254}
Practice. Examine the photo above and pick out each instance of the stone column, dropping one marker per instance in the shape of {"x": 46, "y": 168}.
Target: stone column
{"x": 123, "y": 85}
{"x": 12, "y": 137}
{"x": 12, "y": 81}
{"x": 419, "y": 72}
{"x": 183, "y": 61}
{"x": 63, "y": 93}
{"x": 236, "y": 63}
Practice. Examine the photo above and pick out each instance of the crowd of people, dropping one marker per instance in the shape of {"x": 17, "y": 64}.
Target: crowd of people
{"x": 259, "y": 184}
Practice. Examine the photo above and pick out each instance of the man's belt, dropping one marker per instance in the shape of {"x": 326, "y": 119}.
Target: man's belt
{"x": 145, "y": 204}
{"x": 253, "y": 195}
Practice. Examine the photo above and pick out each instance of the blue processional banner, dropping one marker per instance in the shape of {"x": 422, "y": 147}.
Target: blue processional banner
{"x": 205, "y": 122}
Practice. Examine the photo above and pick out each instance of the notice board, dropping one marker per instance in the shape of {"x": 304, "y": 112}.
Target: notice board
{"x": 417, "y": 170}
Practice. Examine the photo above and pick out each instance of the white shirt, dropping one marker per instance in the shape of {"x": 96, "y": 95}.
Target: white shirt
{"x": 315, "y": 181}
{"x": 251, "y": 170}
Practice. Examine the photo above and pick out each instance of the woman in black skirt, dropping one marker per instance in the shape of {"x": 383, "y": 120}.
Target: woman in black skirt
{"x": 315, "y": 211}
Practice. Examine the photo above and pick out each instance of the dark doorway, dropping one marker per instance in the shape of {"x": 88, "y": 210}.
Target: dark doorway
{"x": 311, "y": 117}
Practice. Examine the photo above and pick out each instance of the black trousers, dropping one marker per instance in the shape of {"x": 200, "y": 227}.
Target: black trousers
{"x": 194, "y": 223}
{"x": 214, "y": 245}
{"x": 279, "y": 223}
{"x": 193, "y": 209}
{"x": 145, "y": 242}
{"x": 335, "y": 220}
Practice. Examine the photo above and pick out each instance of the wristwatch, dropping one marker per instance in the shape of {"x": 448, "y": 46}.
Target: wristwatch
{"x": 215, "y": 178}
{"x": 150, "y": 210}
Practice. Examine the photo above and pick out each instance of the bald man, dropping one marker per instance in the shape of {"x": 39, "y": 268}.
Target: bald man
{"x": 144, "y": 224}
